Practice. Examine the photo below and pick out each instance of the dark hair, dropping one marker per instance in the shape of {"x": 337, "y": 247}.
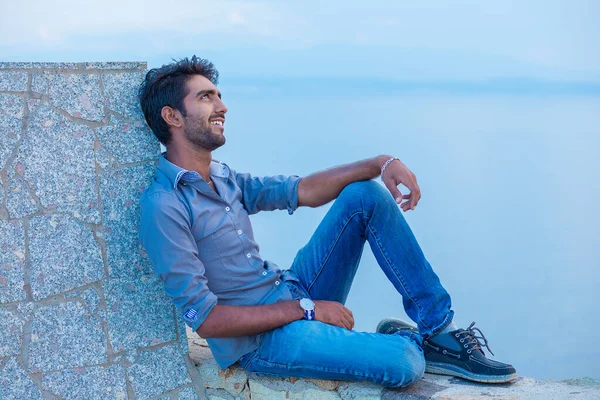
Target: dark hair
{"x": 165, "y": 86}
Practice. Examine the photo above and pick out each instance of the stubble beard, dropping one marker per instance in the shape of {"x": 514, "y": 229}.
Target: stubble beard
{"x": 200, "y": 133}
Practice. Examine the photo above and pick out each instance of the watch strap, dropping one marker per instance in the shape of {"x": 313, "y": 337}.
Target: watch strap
{"x": 309, "y": 315}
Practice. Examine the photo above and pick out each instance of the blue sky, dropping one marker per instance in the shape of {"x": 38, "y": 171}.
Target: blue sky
{"x": 459, "y": 41}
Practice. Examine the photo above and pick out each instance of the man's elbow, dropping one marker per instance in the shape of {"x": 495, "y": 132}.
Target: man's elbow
{"x": 208, "y": 328}
{"x": 306, "y": 197}
{"x": 204, "y": 332}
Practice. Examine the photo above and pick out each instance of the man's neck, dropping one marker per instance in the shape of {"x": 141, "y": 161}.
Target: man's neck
{"x": 191, "y": 159}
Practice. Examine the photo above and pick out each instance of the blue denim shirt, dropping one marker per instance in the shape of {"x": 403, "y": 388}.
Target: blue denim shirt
{"x": 202, "y": 246}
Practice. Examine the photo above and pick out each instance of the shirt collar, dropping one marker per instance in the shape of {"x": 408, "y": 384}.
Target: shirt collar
{"x": 174, "y": 173}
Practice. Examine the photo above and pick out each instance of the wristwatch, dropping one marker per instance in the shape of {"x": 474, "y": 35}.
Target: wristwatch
{"x": 309, "y": 308}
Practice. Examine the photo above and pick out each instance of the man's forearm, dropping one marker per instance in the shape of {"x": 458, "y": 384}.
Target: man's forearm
{"x": 231, "y": 321}
{"x": 321, "y": 187}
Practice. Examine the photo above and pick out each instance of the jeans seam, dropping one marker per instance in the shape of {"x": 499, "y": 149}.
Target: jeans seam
{"x": 331, "y": 249}
{"x": 385, "y": 256}
{"x": 295, "y": 367}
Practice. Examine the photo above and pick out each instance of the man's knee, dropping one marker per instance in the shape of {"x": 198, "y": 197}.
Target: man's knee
{"x": 408, "y": 368}
{"x": 368, "y": 193}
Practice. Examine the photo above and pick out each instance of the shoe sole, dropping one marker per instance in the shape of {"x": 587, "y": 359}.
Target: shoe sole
{"x": 453, "y": 370}
{"x": 400, "y": 325}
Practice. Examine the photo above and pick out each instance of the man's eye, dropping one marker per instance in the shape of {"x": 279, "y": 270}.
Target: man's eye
{"x": 204, "y": 96}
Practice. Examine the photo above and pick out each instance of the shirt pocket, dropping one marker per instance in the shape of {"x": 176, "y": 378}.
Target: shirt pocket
{"x": 228, "y": 245}
{"x": 225, "y": 251}
{"x": 216, "y": 273}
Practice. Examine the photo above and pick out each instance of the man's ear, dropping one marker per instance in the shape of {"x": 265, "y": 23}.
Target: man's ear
{"x": 172, "y": 116}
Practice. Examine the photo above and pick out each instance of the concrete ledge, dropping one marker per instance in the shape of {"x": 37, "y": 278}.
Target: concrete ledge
{"x": 235, "y": 383}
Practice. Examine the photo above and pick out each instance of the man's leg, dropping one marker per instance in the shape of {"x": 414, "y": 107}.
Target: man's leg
{"x": 312, "y": 349}
{"x": 324, "y": 270}
{"x": 326, "y": 266}
{"x": 365, "y": 211}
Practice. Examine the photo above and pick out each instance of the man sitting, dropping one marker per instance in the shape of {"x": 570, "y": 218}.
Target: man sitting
{"x": 198, "y": 236}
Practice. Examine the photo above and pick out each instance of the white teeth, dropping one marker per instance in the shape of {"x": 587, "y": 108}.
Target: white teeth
{"x": 220, "y": 123}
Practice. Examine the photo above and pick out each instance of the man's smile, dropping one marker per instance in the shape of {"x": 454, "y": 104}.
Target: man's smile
{"x": 218, "y": 122}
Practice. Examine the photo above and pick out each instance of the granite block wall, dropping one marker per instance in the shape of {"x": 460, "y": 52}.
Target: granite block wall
{"x": 81, "y": 314}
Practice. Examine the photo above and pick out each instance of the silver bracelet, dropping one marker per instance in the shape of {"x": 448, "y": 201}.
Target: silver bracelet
{"x": 386, "y": 164}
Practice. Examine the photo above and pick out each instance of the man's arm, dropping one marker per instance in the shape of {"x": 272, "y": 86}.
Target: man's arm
{"x": 229, "y": 321}
{"x": 268, "y": 193}
{"x": 323, "y": 186}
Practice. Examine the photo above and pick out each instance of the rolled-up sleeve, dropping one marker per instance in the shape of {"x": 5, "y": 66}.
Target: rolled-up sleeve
{"x": 166, "y": 236}
{"x": 268, "y": 193}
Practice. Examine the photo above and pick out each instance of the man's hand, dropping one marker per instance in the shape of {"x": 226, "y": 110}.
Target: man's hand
{"x": 397, "y": 173}
{"x": 333, "y": 313}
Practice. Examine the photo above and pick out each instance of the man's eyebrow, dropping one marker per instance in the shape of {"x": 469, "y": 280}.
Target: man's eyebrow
{"x": 208, "y": 91}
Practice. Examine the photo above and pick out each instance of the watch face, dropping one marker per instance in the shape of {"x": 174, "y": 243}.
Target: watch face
{"x": 307, "y": 304}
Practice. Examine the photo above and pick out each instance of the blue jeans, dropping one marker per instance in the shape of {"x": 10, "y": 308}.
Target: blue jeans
{"x": 324, "y": 270}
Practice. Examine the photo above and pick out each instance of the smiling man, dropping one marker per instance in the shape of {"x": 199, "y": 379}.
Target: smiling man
{"x": 196, "y": 230}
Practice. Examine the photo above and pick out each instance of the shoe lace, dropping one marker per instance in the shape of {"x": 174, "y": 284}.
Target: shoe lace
{"x": 469, "y": 336}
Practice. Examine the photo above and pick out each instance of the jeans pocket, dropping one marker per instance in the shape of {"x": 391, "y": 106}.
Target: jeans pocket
{"x": 246, "y": 360}
{"x": 296, "y": 290}
{"x": 294, "y": 285}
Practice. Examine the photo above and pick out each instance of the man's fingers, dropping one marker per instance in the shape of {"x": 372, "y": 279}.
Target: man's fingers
{"x": 347, "y": 317}
{"x": 346, "y": 312}
{"x": 416, "y": 196}
{"x": 350, "y": 318}
{"x": 347, "y": 323}
{"x": 396, "y": 194}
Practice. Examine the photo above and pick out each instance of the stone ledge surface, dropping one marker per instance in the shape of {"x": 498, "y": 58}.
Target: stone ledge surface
{"x": 140, "y": 65}
{"x": 235, "y": 383}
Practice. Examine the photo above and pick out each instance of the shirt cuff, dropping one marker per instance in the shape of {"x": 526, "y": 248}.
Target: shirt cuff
{"x": 195, "y": 316}
{"x": 293, "y": 194}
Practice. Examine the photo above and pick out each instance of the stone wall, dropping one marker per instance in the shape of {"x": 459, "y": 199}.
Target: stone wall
{"x": 81, "y": 314}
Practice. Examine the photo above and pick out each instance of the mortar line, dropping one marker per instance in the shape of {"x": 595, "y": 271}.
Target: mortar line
{"x": 26, "y": 341}
{"x": 46, "y": 394}
{"x": 27, "y": 263}
{"x": 128, "y": 387}
{"x": 14, "y": 92}
{"x": 100, "y": 227}
{"x": 36, "y": 378}
{"x": 80, "y": 121}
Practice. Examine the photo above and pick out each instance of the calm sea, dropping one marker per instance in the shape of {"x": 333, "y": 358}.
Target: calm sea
{"x": 509, "y": 216}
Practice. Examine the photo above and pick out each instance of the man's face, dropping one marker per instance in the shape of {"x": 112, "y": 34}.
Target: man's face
{"x": 205, "y": 114}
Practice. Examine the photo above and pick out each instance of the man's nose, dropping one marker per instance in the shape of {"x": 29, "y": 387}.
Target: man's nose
{"x": 221, "y": 107}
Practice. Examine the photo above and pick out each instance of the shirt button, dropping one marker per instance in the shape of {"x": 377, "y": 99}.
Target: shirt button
{"x": 240, "y": 232}
{"x": 248, "y": 255}
{"x": 276, "y": 283}
{"x": 227, "y": 209}
{"x": 264, "y": 273}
